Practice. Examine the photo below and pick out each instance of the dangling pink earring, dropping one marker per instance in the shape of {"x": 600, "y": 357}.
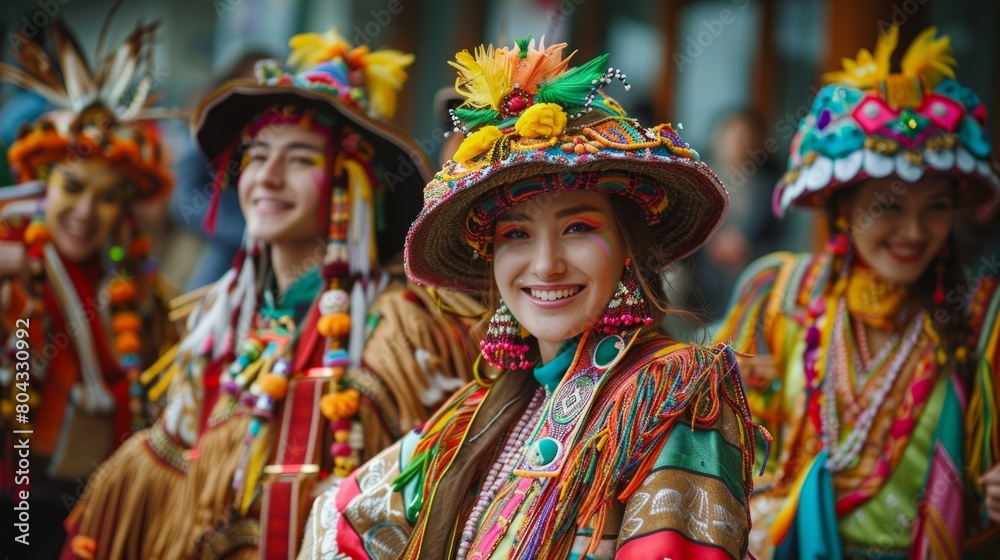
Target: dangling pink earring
{"x": 628, "y": 306}
{"x": 504, "y": 347}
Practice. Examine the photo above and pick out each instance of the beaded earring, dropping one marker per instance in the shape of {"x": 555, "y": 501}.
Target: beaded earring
{"x": 839, "y": 243}
{"x": 504, "y": 347}
{"x": 628, "y": 306}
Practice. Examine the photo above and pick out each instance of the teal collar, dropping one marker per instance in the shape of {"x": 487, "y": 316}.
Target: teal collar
{"x": 549, "y": 375}
{"x": 297, "y": 298}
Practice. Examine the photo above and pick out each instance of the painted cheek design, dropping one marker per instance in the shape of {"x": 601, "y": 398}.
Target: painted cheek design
{"x": 601, "y": 241}
{"x": 316, "y": 173}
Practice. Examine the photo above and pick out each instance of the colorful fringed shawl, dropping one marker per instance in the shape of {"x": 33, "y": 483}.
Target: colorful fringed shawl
{"x": 876, "y": 504}
{"x": 653, "y": 457}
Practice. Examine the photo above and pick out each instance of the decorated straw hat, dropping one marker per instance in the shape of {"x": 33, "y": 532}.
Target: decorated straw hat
{"x": 534, "y": 126}
{"x": 354, "y": 85}
{"x": 868, "y": 123}
{"x": 100, "y": 113}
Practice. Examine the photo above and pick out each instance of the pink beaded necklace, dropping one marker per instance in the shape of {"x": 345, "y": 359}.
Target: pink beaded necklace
{"x": 501, "y": 469}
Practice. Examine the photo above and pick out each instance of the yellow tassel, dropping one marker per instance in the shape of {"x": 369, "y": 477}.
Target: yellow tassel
{"x": 159, "y": 366}
{"x": 155, "y": 392}
{"x": 259, "y": 455}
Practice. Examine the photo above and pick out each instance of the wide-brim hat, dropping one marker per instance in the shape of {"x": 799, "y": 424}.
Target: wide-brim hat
{"x": 340, "y": 87}
{"x": 869, "y": 123}
{"x": 579, "y": 136}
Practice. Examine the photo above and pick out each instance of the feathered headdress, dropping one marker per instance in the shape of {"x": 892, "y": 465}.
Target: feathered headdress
{"x": 99, "y": 112}
{"x": 500, "y": 84}
{"x": 379, "y": 75}
{"x": 534, "y": 126}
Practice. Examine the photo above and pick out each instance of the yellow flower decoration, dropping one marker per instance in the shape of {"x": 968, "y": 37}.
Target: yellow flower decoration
{"x": 478, "y": 142}
{"x": 545, "y": 120}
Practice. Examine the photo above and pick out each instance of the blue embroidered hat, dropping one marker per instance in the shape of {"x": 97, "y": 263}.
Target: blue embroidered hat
{"x": 868, "y": 123}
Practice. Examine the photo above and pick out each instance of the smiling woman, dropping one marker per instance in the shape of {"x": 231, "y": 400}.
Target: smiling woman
{"x": 878, "y": 382}
{"x": 552, "y": 266}
{"x": 280, "y": 185}
{"x": 75, "y": 270}
{"x": 85, "y": 202}
{"x": 562, "y": 211}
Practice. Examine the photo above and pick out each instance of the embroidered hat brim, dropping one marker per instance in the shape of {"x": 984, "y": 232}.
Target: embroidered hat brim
{"x": 438, "y": 253}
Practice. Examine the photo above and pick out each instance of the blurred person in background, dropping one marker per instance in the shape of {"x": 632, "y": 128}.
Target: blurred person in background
{"x": 876, "y": 359}
{"x": 193, "y": 191}
{"x": 82, "y": 308}
{"x": 750, "y": 229}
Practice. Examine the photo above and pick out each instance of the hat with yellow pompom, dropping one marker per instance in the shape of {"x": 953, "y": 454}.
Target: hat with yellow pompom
{"x": 533, "y": 127}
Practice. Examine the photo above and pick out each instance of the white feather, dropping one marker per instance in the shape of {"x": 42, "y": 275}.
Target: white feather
{"x": 359, "y": 313}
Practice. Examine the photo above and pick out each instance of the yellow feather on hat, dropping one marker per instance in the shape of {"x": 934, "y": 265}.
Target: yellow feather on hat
{"x": 865, "y": 70}
{"x": 311, "y": 49}
{"x": 385, "y": 73}
{"x": 483, "y": 78}
{"x": 930, "y": 57}
{"x": 384, "y": 70}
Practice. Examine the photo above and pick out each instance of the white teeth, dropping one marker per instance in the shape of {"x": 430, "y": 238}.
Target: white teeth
{"x": 271, "y": 204}
{"x": 905, "y": 252}
{"x": 552, "y": 295}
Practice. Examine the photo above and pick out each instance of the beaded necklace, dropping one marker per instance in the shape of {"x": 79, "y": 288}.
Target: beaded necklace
{"x": 126, "y": 323}
{"x": 862, "y": 360}
{"x": 842, "y": 455}
{"x": 501, "y": 469}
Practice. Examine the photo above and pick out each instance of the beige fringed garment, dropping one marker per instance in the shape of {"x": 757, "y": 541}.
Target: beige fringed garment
{"x": 152, "y": 499}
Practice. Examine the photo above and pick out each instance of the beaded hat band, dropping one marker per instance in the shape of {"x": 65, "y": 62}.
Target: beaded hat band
{"x": 651, "y": 199}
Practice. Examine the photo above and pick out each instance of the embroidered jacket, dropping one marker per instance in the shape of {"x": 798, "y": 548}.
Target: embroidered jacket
{"x": 641, "y": 450}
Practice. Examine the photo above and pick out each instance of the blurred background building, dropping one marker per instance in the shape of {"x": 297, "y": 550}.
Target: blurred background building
{"x": 705, "y": 65}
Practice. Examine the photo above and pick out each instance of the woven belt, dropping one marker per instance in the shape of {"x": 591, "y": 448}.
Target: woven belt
{"x": 291, "y": 477}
